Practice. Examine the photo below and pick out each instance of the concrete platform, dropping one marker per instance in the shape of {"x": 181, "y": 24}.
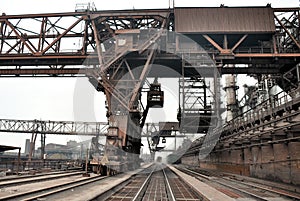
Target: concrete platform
{"x": 203, "y": 189}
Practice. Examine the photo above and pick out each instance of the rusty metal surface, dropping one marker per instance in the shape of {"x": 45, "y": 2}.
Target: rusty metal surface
{"x": 137, "y": 12}
{"x": 23, "y": 45}
{"x": 224, "y": 20}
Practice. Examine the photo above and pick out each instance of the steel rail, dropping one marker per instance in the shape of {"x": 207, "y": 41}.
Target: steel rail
{"x": 47, "y": 191}
{"x": 170, "y": 193}
{"x": 282, "y": 192}
{"x": 36, "y": 178}
{"x": 190, "y": 172}
{"x": 38, "y": 175}
{"x": 139, "y": 194}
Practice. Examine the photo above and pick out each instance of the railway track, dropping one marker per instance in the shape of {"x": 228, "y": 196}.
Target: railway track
{"x": 36, "y": 178}
{"x": 159, "y": 183}
{"x": 17, "y": 177}
{"x": 243, "y": 188}
{"x": 46, "y": 192}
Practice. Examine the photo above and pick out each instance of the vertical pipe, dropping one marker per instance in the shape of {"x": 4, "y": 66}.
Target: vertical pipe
{"x": 183, "y": 92}
{"x": 217, "y": 96}
{"x": 274, "y": 45}
{"x": 43, "y": 143}
{"x": 298, "y": 75}
{"x": 86, "y": 160}
{"x": 175, "y": 141}
{"x": 177, "y": 43}
{"x": 32, "y": 145}
{"x": 19, "y": 161}
{"x": 81, "y": 150}
{"x": 225, "y": 42}
{"x": 205, "y": 98}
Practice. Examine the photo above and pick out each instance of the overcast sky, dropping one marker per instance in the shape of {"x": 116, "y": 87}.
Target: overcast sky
{"x": 52, "y": 98}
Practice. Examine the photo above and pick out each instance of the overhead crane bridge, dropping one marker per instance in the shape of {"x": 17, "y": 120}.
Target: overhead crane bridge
{"x": 109, "y": 47}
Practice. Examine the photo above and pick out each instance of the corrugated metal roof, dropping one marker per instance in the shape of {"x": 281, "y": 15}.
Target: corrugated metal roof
{"x": 224, "y": 20}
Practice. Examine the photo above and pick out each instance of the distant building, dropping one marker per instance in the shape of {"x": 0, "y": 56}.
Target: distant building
{"x": 53, "y": 146}
{"x": 72, "y": 144}
{"x": 27, "y": 147}
{"x": 58, "y": 151}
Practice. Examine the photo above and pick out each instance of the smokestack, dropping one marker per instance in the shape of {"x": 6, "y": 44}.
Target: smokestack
{"x": 27, "y": 147}
{"x": 231, "y": 100}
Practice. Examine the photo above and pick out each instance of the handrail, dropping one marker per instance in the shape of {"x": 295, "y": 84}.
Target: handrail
{"x": 263, "y": 109}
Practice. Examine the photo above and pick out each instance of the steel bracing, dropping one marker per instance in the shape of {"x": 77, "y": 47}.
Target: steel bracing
{"x": 55, "y": 44}
{"x": 53, "y": 127}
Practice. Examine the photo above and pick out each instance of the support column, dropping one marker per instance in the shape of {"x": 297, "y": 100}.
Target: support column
{"x": 298, "y": 72}
{"x": 230, "y": 88}
{"x": 19, "y": 161}
{"x": 32, "y": 146}
{"x": 43, "y": 144}
{"x": 217, "y": 94}
{"x": 294, "y": 150}
{"x": 280, "y": 158}
{"x": 267, "y": 166}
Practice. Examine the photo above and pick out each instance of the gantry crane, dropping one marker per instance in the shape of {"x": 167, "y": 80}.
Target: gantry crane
{"x": 117, "y": 49}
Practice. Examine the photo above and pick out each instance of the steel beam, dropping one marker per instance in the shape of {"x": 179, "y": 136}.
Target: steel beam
{"x": 143, "y": 76}
{"x": 81, "y": 72}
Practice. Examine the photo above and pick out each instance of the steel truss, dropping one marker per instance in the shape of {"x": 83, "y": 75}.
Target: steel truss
{"x": 60, "y": 39}
{"x": 53, "y": 127}
{"x": 64, "y": 40}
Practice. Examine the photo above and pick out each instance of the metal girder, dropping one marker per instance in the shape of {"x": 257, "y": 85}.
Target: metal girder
{"x": 65, "y": 38}
{"x": 287, "y": 31}
{"x": 82, "y": 72}
{"x": 249, "y": 70}
{"x": 239, "y": 42}
{"x": 216, "y": 45}
{"x": 32, "y": 72}
{"x": 70, "y": 38}
{"x": 53, "y": 127}
{"x": 142, "y": 78}
{"x": 39, "y": 35}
